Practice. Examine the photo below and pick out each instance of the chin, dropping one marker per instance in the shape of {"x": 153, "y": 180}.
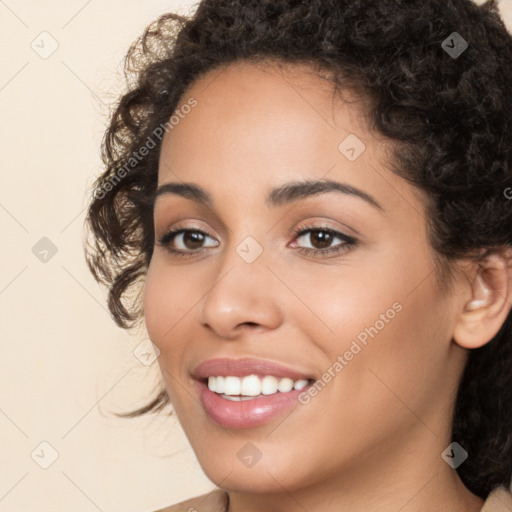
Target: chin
{"x": 268, "y": 475}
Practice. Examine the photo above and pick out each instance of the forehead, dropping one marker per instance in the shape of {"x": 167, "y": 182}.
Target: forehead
{"x": 256, "y": 125}
{"x": 263, "y": 93}
{"x": 261, "y": 112}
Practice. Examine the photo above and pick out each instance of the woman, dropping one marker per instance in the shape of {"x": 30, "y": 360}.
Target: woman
{"x": 308, "y": 205}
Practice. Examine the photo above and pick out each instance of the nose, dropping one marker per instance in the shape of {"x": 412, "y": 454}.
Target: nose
{"x": 242, "y": 296}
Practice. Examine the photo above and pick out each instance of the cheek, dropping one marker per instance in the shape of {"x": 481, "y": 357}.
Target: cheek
{"x": 341, "y": 304}
{"x": 171, "y": 301}
{"x": 391, "y": 318}
{"x": 162, "y": 304}
{"x": 387, "y": 361}
{"x": 403, "y": 348}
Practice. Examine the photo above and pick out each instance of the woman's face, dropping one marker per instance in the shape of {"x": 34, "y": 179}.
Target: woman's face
{"x": 357, "y": 308}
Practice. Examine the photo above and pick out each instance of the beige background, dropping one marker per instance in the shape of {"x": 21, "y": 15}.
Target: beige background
{"x": 64, "y": 365}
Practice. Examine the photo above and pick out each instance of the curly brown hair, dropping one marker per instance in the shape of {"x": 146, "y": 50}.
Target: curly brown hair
{"x": 450, "y": 116}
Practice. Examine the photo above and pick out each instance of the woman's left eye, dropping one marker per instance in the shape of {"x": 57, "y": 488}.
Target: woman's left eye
{"x": 188, "y": 242}
{"x": 323, "y": 238}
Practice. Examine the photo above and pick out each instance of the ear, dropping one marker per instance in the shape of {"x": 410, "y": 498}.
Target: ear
{"x": 488, "y": 301}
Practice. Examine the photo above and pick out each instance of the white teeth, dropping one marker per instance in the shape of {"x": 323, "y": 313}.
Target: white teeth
{"x": 251, "y": 386}
{"x": 238, "y": 398}
{"x": 219, "y": 384}
{"x": 285, "y": 385}
{"x": 269, "y": 385}
{"x": 300, "y": 384}
{"x": 231, "y": 387}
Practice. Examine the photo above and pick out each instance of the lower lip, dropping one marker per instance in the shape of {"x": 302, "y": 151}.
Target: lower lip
{"x": 247, "y": 413}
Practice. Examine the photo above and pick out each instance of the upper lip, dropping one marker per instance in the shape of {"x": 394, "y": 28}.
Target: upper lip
{"x": 246, "y": 366}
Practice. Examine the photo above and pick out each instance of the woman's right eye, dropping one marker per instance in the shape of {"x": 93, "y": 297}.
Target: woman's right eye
{"x": 184, "y": 242}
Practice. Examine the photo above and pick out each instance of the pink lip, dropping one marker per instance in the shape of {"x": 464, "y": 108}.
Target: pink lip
{"x": 247, "y": 413}
{"x": 247, "y": 366}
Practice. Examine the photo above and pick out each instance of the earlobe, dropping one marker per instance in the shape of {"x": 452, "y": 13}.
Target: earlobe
{"x": 489, "y": 304}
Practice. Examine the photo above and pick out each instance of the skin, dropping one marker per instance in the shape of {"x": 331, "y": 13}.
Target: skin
{"x": 372, "y": 438}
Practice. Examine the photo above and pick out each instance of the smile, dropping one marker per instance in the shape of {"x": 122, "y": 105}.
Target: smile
{"x": 252, "y": 386}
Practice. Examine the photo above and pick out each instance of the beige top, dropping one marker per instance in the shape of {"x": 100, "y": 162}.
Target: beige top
{"x": 499, "y": 500}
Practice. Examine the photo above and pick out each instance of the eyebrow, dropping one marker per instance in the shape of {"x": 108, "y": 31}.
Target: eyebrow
{"x": 279, "y": 196}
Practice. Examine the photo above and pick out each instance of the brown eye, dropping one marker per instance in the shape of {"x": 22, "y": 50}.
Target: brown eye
{"x": 320, "y": 239}
{"x": 192, "y": 239}
{"x": 184, "y": 241}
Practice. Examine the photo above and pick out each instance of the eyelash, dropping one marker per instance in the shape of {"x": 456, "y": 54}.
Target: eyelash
{"x": 349, "y": 242}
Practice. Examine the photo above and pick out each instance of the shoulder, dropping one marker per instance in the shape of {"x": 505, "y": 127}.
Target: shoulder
{"x": 214, "y": 501}
{"x": 499, "y": 500}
